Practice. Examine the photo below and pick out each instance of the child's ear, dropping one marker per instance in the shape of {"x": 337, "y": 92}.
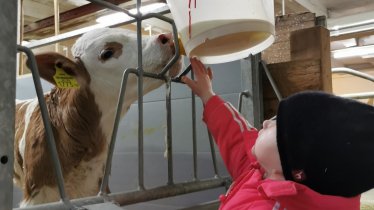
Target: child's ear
{"x": 49, "y": 62}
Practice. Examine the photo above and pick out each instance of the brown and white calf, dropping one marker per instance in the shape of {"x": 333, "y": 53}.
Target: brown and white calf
{"x": 82, "y": 118}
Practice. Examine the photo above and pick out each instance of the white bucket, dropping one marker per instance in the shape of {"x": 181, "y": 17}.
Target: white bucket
{"x": 219, "y": 31}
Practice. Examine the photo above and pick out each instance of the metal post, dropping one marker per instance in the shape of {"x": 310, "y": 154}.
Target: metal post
{"x": 271, "y": 80}
{"x": 8, "y": 43}
{"x": 213, "y": 153}
{"x": 194, "y": 141}
{"x": 258, "y": 109}
{"x": 169, "y": 142}
{"x": 140, "y": 98}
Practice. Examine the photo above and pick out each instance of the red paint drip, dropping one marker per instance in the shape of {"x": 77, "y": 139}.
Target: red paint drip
{"x": 189, "y": 18}
{"x": 189, "y": 24}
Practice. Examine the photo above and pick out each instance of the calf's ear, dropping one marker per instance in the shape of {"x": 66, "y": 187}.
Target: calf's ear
{"x": 48, "y": 63}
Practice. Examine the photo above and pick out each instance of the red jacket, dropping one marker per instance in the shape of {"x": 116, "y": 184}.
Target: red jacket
{"x": 249, "y": 191}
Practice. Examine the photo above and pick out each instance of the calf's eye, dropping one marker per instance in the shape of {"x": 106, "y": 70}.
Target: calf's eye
{"x": 106, "y": 54}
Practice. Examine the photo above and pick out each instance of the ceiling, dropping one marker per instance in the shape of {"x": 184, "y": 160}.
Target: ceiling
{"x": 343, "y": 17}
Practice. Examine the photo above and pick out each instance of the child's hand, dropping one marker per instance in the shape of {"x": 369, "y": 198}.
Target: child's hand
{"x": 202, "y": 85}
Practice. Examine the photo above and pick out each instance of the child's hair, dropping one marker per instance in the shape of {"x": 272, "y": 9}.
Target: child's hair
{"x": 327, "y": 143}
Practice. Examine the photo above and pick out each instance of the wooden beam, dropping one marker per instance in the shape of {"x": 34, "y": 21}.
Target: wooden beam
{"x": 69, "y": 15}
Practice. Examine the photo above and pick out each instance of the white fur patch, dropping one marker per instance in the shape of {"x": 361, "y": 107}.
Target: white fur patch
{"x": 45, "y": 194}
{"x": 29, "y": 111}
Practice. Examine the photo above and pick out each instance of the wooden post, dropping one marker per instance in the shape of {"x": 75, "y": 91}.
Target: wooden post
{"x": 308, "y": 68}
{"x": 311, "y": 44}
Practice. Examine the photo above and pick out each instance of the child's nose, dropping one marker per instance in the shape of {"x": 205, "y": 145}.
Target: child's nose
{"x": 265, "y": 124}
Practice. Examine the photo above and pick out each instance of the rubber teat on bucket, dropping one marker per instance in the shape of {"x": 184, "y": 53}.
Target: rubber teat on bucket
{"x": 181, "y": 48}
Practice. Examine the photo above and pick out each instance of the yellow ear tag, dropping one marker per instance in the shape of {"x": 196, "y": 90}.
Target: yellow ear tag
{"x": 64, "y": 80}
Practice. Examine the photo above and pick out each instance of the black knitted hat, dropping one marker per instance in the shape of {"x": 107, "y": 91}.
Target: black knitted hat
{"x": 327, "y": 143}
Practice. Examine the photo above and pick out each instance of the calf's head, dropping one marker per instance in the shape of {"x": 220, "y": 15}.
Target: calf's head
{"x": 102, "y": 55}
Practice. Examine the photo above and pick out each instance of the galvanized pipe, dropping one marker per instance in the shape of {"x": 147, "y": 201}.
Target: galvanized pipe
{"x": 140, "y": 98}
{"x": 213, "y": 153}
{"x": 258, "y": 108}
{"x": 240, "y": 103}
{"x": 127, "y": 198}
{"x": 161, "y": 192}
{"x": 353, "y": 72}
{"x": 8, "y": 43}
{"x": 169, "y": 191}
{"x": 359, "y": 95}
{"x": 169, "y": 142}
{"x": 117, "y": 118}
{"x": 113, "y": 7}
{"x": 194, "y": 136}
{"x": 48, "y": 128}
{"x": 271, "y": 80}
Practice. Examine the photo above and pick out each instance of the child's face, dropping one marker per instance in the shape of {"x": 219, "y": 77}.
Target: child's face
{"x": 266, "y": 149}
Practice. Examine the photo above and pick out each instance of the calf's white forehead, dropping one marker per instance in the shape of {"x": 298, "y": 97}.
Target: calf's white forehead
{"x": 99, "y": 37}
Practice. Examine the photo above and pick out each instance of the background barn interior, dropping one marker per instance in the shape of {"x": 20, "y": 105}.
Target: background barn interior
{"x": 350, "y": 23}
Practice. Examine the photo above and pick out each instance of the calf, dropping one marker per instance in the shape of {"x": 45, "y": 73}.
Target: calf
{"x": 82, "y": 117}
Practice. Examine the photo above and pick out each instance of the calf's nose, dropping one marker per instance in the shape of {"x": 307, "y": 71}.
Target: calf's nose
{"x": 165, "y": 38}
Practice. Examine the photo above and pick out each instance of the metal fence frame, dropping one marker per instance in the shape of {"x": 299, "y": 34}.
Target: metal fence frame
{"x": 121, "y": 198}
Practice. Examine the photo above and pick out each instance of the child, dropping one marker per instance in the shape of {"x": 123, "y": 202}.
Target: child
{"x": 315, "y": 156}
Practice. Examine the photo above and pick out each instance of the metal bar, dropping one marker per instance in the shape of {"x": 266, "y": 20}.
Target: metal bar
{"x": 156, "y": 193}
{"x": 184, "y": 73}
{"x": 8, "y": 43}
{"x": 127, "y": 198}
{"x": 271, "y": 80}
{"x": 258, "y": 109}
{"x": 168, "y": 191}
{"x": 194, "y": 138}
{"x": 359, "y": 95}
{"x": 117, "y": 118}
{"x": 48, "y": 128}
{"x": 140, "y": 98}
{"x": 169, "y": 142}
{"x": 240, "y": 102}
{"x": 113, "y": 7}
{"x": 353, "y": 72}
{"x": 76, "y": 33}
{"x": 213, "y": 153}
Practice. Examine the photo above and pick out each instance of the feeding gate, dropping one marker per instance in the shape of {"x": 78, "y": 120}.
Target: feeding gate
{"x": 102, "y": 200}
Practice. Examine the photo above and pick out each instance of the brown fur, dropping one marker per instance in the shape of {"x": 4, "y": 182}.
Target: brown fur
{"x": 75, "y": 120}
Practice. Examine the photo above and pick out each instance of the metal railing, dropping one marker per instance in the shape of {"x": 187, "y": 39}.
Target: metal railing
{"x": 142, "y": 194}
{"x": 344, "y": 70}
